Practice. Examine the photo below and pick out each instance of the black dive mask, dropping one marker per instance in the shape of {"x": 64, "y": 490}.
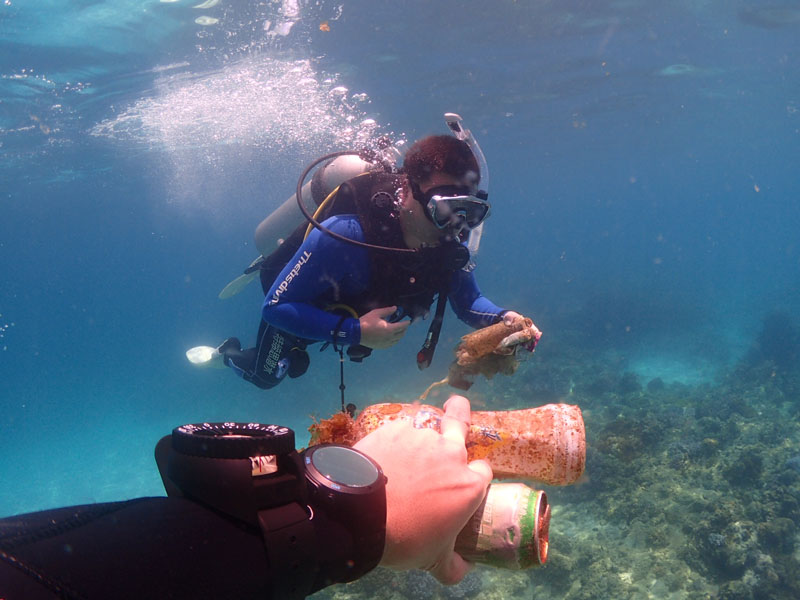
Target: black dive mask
{"x": 453, "y": 206}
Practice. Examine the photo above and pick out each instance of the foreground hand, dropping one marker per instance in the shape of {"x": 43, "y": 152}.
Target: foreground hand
{"x": 377, "y": 333}
{"x": 431, "y": 493}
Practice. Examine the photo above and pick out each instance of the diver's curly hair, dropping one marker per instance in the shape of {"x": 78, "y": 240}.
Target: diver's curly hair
{"x": 440, "y": 153}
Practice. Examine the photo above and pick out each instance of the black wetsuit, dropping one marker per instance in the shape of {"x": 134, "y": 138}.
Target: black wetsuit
{"x": 142, "y": 549}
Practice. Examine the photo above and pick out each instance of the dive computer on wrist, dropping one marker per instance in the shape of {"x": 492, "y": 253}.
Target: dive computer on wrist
{"x": 322, "y": 512}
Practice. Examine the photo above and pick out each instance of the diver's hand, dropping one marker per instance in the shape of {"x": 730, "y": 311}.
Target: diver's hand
{"x": 377, "y": 332}
{"x": 431, "y": 491}
{"x": 528, "y": 337}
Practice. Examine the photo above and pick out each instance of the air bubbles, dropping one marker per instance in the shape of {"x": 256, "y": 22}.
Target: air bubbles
{"x": 169, "y": 67}
{"x": 284, "y": 21}
{"x": 206, "y": 20}
{"x": 677, "y": 70}
{"x": 210, "y": 127}
{"x": 4, "y": 327}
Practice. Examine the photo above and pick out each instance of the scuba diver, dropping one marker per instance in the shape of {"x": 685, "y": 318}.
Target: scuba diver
{"x": 382, "y": 245}
{"x": 249, "y": 517}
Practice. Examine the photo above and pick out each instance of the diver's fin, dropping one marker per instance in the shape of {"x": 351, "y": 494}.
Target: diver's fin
{"x": 204, "y": 357}
{"x": 238, "y": 284}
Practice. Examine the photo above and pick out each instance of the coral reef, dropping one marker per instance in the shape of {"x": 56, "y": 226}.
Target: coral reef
{"x": 778, "y": 341}
{"x": 690, "y": 492}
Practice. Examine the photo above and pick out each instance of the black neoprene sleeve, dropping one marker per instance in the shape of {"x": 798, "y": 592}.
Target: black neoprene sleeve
{"x": 143, "y": 548}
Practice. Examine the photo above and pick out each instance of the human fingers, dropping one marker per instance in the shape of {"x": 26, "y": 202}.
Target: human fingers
{"x": 386, "y": 311}
{"x": 483, "y": 469}
{"x": 399, "y": 327}
{"x": 450, "y": 569}
{"x": 394, "y": 332}
{"x": 509, "y": 317}
{"x": 456, "y": 418}
{"x": 458, "y": 407}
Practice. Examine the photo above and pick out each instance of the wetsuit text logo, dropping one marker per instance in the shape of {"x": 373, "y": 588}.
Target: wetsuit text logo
{"x": 291, "y": 275}
{"x": 274, "y": 354}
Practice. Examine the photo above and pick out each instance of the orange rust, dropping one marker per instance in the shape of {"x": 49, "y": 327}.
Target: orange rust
{"x": 545, "y": 444}
{"x": 336, "y": 430}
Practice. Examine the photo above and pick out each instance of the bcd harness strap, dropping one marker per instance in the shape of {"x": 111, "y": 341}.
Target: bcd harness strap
{"x": 425, "y": 355}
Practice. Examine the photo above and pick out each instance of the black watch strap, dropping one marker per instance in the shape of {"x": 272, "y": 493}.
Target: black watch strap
{"x": 349, "y": 520}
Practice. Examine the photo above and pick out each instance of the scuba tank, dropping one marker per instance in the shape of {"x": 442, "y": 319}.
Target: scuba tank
{"x": 279, "y": 224}
{"x": 276, "y": 227}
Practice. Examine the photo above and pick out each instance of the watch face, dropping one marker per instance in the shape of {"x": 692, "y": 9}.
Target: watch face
{"x": 343, "y": 467}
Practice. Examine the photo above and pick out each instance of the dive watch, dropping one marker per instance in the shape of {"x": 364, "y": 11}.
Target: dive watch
{"x": 321, "y": 512}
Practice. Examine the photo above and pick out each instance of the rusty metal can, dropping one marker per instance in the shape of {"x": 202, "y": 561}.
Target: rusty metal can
{"x": 510, "y": 530}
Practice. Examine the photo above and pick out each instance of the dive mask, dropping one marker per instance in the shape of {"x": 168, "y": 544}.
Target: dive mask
{"x": 454, "y": 206}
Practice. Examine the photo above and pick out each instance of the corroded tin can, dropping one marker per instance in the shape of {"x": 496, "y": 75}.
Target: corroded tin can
{"x": 509, "y": 530}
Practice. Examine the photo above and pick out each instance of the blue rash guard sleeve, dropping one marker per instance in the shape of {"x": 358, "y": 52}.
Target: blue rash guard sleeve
{"x": 322, "y": 267}
{"x": 472, "y": 307}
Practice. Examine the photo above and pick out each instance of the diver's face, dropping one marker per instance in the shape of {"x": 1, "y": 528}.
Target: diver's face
{"x": 416, "y": 220}
{"x": 437, "y": 180}
{"x": 417, "y": 225}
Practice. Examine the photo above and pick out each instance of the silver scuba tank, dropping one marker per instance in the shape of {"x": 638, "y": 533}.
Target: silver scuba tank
{"x": 279, "y": 224}
{"x": 271, "y": 232}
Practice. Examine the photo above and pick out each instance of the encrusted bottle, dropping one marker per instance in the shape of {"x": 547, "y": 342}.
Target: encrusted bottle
{"x": 546, "y": 444}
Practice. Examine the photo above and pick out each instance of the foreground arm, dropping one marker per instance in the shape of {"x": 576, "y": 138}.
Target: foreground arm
{"x": 477, "y": 310}
{"x": 469, "y": 304}
{"x": 142, "y": 548}
{"x": 177, "y": 548}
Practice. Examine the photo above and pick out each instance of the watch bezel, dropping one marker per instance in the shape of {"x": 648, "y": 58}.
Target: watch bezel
{"x": 232, "y": 440}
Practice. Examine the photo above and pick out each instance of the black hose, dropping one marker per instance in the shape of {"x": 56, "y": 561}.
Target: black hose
{"x": 310, "y": 218}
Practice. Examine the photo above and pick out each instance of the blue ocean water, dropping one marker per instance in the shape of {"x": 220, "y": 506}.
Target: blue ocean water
{"x": 643, "y": 179}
